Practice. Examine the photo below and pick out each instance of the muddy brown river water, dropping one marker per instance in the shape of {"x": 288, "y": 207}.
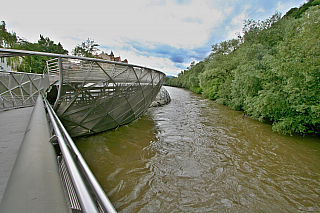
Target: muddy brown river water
{"x": 194, "y": 155}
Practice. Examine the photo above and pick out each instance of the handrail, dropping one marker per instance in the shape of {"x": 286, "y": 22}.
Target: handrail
{"x": 34, "y": 184}
{"x": 14, "y": 52}
{"x": 86, "y": 201}
{"x": 85, "y": 198}
{"x": 25, "y": 73}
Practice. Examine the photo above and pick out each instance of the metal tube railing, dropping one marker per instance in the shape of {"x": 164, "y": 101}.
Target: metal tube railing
{"x": 34, "y": 184}
{"x": 76, "y": 178}
{"x": 85, "y": 199}
{"x": 15, "y": 52}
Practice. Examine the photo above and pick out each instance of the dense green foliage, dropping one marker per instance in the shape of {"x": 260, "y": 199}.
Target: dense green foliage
{"x": 7, "y": 39}
{"x": 272, "y": 72}
{"x": 298, "y": 12}
{"x": 35, "y": 64}
{"x": 86, "y": 49}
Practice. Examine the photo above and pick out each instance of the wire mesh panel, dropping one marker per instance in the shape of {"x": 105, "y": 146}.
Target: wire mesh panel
{"x": 96, "y": 95}
{"x": 18, "y": 89}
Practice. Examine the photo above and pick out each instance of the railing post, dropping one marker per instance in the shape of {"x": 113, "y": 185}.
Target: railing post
{"x": 60, "y": 81}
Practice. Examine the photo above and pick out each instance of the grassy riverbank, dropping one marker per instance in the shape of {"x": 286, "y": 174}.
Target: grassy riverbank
{"x": 271, "y": 72}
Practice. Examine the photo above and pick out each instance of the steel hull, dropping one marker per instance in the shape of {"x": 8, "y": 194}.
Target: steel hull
{"x": 95, "y": 97}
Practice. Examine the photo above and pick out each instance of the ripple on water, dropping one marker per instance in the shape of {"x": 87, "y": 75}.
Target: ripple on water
{"x": 194, "y": 155}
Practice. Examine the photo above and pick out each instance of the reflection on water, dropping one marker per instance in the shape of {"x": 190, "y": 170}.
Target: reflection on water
{"x": 194, "y": 155}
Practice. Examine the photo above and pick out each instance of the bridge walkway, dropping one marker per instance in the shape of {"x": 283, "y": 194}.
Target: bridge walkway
{"x": 13, "y": 124}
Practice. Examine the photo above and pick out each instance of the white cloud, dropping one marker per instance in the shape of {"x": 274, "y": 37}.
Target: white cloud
{"x": 236, "y": 23}
{"x": 162, "y": 64}
{"x": 280, "y": 6}
{"x": 182, "y": 25}
{"x": 103, "y": 20}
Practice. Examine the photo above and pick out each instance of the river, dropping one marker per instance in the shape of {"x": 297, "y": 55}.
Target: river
{"x": 195, "y": 155}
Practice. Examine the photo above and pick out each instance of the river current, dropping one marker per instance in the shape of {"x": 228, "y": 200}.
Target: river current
{"x": 195, "y": 155}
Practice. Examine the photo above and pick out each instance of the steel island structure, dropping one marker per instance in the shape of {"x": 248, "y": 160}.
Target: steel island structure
{"x": 91, "y": 95}
{"x": 74, "y": 96}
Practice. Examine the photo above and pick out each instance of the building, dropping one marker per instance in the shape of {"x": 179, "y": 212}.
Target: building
{"x": 110, "y": 57}
{"x": 4, "y": 66}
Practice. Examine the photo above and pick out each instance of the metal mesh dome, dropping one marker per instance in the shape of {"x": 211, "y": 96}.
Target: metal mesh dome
{"x": 97, "y": 96}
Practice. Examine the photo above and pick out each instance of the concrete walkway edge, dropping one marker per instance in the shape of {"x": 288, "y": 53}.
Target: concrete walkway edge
{"x": 13, "y": 124}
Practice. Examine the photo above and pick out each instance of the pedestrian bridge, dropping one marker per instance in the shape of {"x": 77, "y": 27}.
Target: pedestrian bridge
{"x": 74, "y": 96}
{"x": 89, "y": 95}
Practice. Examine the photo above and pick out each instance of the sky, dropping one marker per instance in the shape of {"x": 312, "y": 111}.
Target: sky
{"x": 166, "y": 35}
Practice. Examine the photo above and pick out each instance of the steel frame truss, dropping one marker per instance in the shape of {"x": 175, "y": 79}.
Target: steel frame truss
{"x": 95, "y": 96}
{"x": 18, "y": 89}
{"x": 92, "y": 95}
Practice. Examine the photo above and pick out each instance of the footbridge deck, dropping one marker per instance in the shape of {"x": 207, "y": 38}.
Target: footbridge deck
{"x": 41, "y": 168}
{"x": 13, "y": 124}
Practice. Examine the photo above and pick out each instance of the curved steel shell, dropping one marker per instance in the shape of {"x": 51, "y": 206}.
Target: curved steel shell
{"x": 95, "y": 96}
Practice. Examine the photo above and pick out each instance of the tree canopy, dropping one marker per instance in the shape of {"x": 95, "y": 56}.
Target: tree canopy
{"x": 86, "y": 49}
{"x": 37, "y": 64}
{"x": 7, "y": 39}
{"x": 34, "y": 64}
{"x": 271, "y": 72}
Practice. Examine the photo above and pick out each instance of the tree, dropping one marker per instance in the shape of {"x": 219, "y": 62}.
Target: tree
{"x": 47, "y": 45}
{"x": 86, "y": 49}
{"x": 37, "y": 64}
{"x": 224, "y": 47}
{"x": 7, "y": 39}
{"x": 298, "y": 12}
{"x": 272, "y": 73}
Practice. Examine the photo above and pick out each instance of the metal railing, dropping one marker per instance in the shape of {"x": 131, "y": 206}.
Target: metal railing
{"x": 20, "y": 89}
{"x": 89, "y": 192}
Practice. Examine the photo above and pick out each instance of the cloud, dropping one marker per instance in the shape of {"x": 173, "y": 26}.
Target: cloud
{"x": 194, "y": 20}
{"x": 182, "y": 1}
{"x": 170, "y": 33}
{"x": 162, "y": 64}
{"x": 176, "y": 55}
{"x": 236, "y": 24}
{"x": 157, "y": 3}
